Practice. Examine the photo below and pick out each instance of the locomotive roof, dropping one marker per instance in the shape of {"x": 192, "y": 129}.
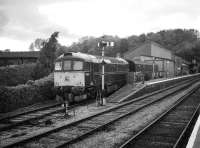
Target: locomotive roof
{"x": 92, "y": 58}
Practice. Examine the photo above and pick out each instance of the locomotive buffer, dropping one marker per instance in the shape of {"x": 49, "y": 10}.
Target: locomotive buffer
{"x": 102, "y": 45}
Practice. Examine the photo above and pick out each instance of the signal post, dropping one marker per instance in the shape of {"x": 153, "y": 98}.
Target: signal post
{"x": 102, "y": 45}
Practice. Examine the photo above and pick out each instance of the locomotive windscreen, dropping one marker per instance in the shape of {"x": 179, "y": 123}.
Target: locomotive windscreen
{"x": 67, "y": 65}
{"x": 73, "y": 65}
{"x": 77, "y": 65}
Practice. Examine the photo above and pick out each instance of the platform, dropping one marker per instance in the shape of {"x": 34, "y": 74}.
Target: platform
{"x": 138, "y": 89}
{"x": 194, "y": 140}
{"x": 131, "y": 89}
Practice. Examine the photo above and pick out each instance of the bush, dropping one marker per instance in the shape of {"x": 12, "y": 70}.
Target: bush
{"x": 12, "y": 98}
{"x": 15, "y": 75}
{"x": 39, "y": 71}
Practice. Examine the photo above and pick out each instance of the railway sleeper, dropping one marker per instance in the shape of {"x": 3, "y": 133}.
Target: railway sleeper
{"x": 47, "y": 142}
{"x": 61, "y": 138}
{"x": 172, "y": 134}
{"x": 117, "y": 112}
{"x": 158, "y": 138}
{"x": 101, "y": 120}
{"x": 151, "y": 143}
{"x": 182, "y": 119}
{"x": 16, "y": 120}
{"x": 165, "y": 132}
{"x": 181, "y": 112}
{"x": 90, "y": 125}
{"x": 172, "y": 123}
{"x": 90, "y": 122}
{"x": 180, "y": 116}
{"x": 65, "y": 135}
{"x": 85, "y": 128}
{"x": 185, "y": 108}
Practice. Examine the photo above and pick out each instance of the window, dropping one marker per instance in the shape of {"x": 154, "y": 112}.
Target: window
{"x": 67, "y": 65}
{"x": 78, "y": 65}
{"x": 58, "y": 66}
{"x": 96, "y": 67}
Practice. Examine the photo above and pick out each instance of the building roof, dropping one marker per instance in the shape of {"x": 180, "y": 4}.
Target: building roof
{"x": 144, "y": 50}
{"x": 21, "y": 54}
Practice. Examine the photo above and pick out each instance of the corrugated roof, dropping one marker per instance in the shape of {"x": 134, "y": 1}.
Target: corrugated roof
{"x": 22, "y": 54}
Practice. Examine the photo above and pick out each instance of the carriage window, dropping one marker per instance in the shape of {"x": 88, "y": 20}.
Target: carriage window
{"x": 78, "y": 65}
{"x": 67, "y": 65}
{"x": 58, "y": 65}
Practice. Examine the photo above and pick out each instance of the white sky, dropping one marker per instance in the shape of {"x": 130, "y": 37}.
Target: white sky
{"x": 22, "y": 21}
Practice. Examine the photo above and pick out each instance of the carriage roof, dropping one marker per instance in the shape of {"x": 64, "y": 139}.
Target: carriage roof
{"x": 92, "y": 58}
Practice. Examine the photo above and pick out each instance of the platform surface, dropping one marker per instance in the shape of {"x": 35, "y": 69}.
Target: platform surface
{"x": 129, "y": 89}
{"x": 194, "y": 140}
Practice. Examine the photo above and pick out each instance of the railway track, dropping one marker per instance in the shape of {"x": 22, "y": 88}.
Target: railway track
{"x": 172, "y": 128}
{"x": 66, "y": 134}
{"x": 27, "y": 110}
{"x": 31, "y": 117}
{"x": 33, "y": 114}
{"x": 27, "y": 118}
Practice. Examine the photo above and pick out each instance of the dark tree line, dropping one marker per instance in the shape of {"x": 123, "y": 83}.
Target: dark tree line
{"x": 182, "y": 42}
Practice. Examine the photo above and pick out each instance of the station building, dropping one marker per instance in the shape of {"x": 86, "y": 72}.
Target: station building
{"x": 17, "y": 58}
{"x": 154, "y": 53}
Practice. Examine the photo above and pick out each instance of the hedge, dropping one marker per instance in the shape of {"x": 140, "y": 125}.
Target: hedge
{"x": 12, "y": 98}
{"x": 16, "y": 74}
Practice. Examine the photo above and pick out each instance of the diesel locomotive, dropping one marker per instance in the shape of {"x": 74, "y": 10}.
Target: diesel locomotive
{"x": 79, "y": 75}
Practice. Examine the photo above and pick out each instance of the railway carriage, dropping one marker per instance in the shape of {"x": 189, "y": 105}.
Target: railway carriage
{"x": 143, "y": 69}
{"x": 80, "y": 74}
{"x": 146, "y": 69}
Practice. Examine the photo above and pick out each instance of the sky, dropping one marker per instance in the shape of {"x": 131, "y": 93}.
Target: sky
{"x": 23, "y": 21}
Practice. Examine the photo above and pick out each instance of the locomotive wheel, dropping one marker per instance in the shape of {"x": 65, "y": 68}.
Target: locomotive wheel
{"x": 91, "y": 93}
{"x": 71, "y": 97}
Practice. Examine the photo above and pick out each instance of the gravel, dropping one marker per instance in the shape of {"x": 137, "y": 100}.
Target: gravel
{"x": 115, "y": 135}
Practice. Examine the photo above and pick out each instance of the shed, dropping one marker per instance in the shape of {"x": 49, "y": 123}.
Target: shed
{"x": 16, "y": 58}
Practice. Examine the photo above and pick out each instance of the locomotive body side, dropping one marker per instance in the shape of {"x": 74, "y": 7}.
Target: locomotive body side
{"x": 115, "y": 76}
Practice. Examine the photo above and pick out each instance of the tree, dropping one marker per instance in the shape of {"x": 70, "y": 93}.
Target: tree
{"x": 31, "y": 47}
{"x": 123, "y": 45}
{"x": 37, "y": 44}
{"x": 45, "y": 63}
{"x": 7, "y": 50}
{"x": 61, "y": 50}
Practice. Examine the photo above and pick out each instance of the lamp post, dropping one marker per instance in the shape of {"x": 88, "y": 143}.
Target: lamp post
{"x": 102, "y": 45}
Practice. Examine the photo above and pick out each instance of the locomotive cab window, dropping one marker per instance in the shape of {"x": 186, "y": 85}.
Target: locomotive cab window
{"x": 58, "y": 66}
{"x": 78, "y": 65}
{"x": 67, "y": 65}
